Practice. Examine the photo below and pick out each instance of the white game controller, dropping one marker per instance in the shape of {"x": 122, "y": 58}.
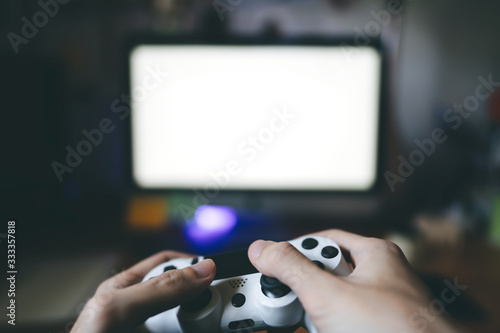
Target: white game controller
{"x": 240, "y": 299}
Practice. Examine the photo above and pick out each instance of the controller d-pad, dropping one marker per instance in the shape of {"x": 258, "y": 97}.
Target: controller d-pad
{"x": 199, "y": 302}
{"x": 329, "y": 252}
{"x": 273, "y": 288}
{"x": 309, "y": 243}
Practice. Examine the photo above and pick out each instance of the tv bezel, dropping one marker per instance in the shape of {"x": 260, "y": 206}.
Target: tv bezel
{"x": 376, "y": 43}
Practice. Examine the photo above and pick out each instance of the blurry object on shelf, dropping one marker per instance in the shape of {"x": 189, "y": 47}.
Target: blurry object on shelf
{"x": 173, "y": 16}
{"x": 447, "y": 228}
{"x": 170, "y": 15}
{"x": 147, "y": 213}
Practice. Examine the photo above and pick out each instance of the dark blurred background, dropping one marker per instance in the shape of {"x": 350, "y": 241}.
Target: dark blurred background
{"x": 62, "y": 77}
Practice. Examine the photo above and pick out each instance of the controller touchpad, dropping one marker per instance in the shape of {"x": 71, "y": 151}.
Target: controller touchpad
{"x": 232, "y": 264}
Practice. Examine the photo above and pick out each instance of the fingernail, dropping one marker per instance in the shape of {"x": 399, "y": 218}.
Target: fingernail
{"x": 257, "y": 247}
{"x": 204, "y": 268}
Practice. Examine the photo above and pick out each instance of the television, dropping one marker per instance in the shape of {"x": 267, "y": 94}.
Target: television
{"x": 294, "y": 115}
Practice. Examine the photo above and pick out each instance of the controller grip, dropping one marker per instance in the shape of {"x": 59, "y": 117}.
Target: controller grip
{"x": 343, "y": 268}
{"x": 308, "y": 324}
{"x": 167, "y": 322}
{"x": 202, "y": 315}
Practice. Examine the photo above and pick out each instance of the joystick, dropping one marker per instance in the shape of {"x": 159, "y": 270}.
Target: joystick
{"x": 273, "y": 288}
{"x": 198, "y": 303}
{"x": 240, "y": 299}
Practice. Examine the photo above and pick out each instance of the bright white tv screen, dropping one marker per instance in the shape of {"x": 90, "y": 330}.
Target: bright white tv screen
{"x": 255, "y": 117}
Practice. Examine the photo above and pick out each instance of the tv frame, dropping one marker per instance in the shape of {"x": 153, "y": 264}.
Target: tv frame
{"x": 308, "y": 40}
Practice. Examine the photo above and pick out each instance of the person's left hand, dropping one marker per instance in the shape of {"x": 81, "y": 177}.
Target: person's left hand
{"x": 122, "y": 303}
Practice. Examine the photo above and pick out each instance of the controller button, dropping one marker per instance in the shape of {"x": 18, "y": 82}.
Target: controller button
{"x": 195, "y": 261}
{"x": 309, "y": 243}
{"x": 169, "y": 268}
{"x": 199, "y": 302}
{"x": 272, "y": 287}
{"x": 319, "y": 264}
{"x": 329, "y": 252}
{"x": 246, "y": 323}
{"x": 238, "y": 300}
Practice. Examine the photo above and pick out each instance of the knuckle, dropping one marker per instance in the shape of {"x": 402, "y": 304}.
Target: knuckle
{"x": 172, "y": 279}
{"x": 167, "y": 254}
{"x": 393, "y": 247}
{"x": 105, "y": 285}
{"x": 119, "y": 281}
{"x": 333, "y": 231}
{"x": 282, "y": 251}
{"x": 382, "y": 245}
{"x": 103, "y": 298}
{"x": 125, "y": 278}
{"x": 375, "y": 244}
{"x": 283, "y": 262}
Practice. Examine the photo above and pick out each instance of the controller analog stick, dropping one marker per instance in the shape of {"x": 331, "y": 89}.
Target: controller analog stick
{"x": 272, "y": 287}
{"x": 199, "y": 302}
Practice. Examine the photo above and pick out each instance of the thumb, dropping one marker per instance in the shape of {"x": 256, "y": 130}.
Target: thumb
{"x": 284, "y": 262}
{"x": 165, "y": 291}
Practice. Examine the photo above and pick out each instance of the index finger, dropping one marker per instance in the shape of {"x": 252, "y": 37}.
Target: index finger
{"x": 137, "y": 272}
{"x": 284, "y": 262}
{"x": 367, "y": 251}
{"x": 347, "y": 240}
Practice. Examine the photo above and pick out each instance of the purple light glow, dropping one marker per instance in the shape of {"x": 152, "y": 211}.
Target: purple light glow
{"x": 211, "y": 218}
{"x": 211, "y": 223}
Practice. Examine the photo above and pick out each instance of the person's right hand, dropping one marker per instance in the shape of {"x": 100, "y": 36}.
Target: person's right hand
{"x": 382, "y": 294}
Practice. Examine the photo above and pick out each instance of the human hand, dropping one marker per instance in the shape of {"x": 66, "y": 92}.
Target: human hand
{"x": 122, "y": 303}
{"x": 381, "y": 295}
